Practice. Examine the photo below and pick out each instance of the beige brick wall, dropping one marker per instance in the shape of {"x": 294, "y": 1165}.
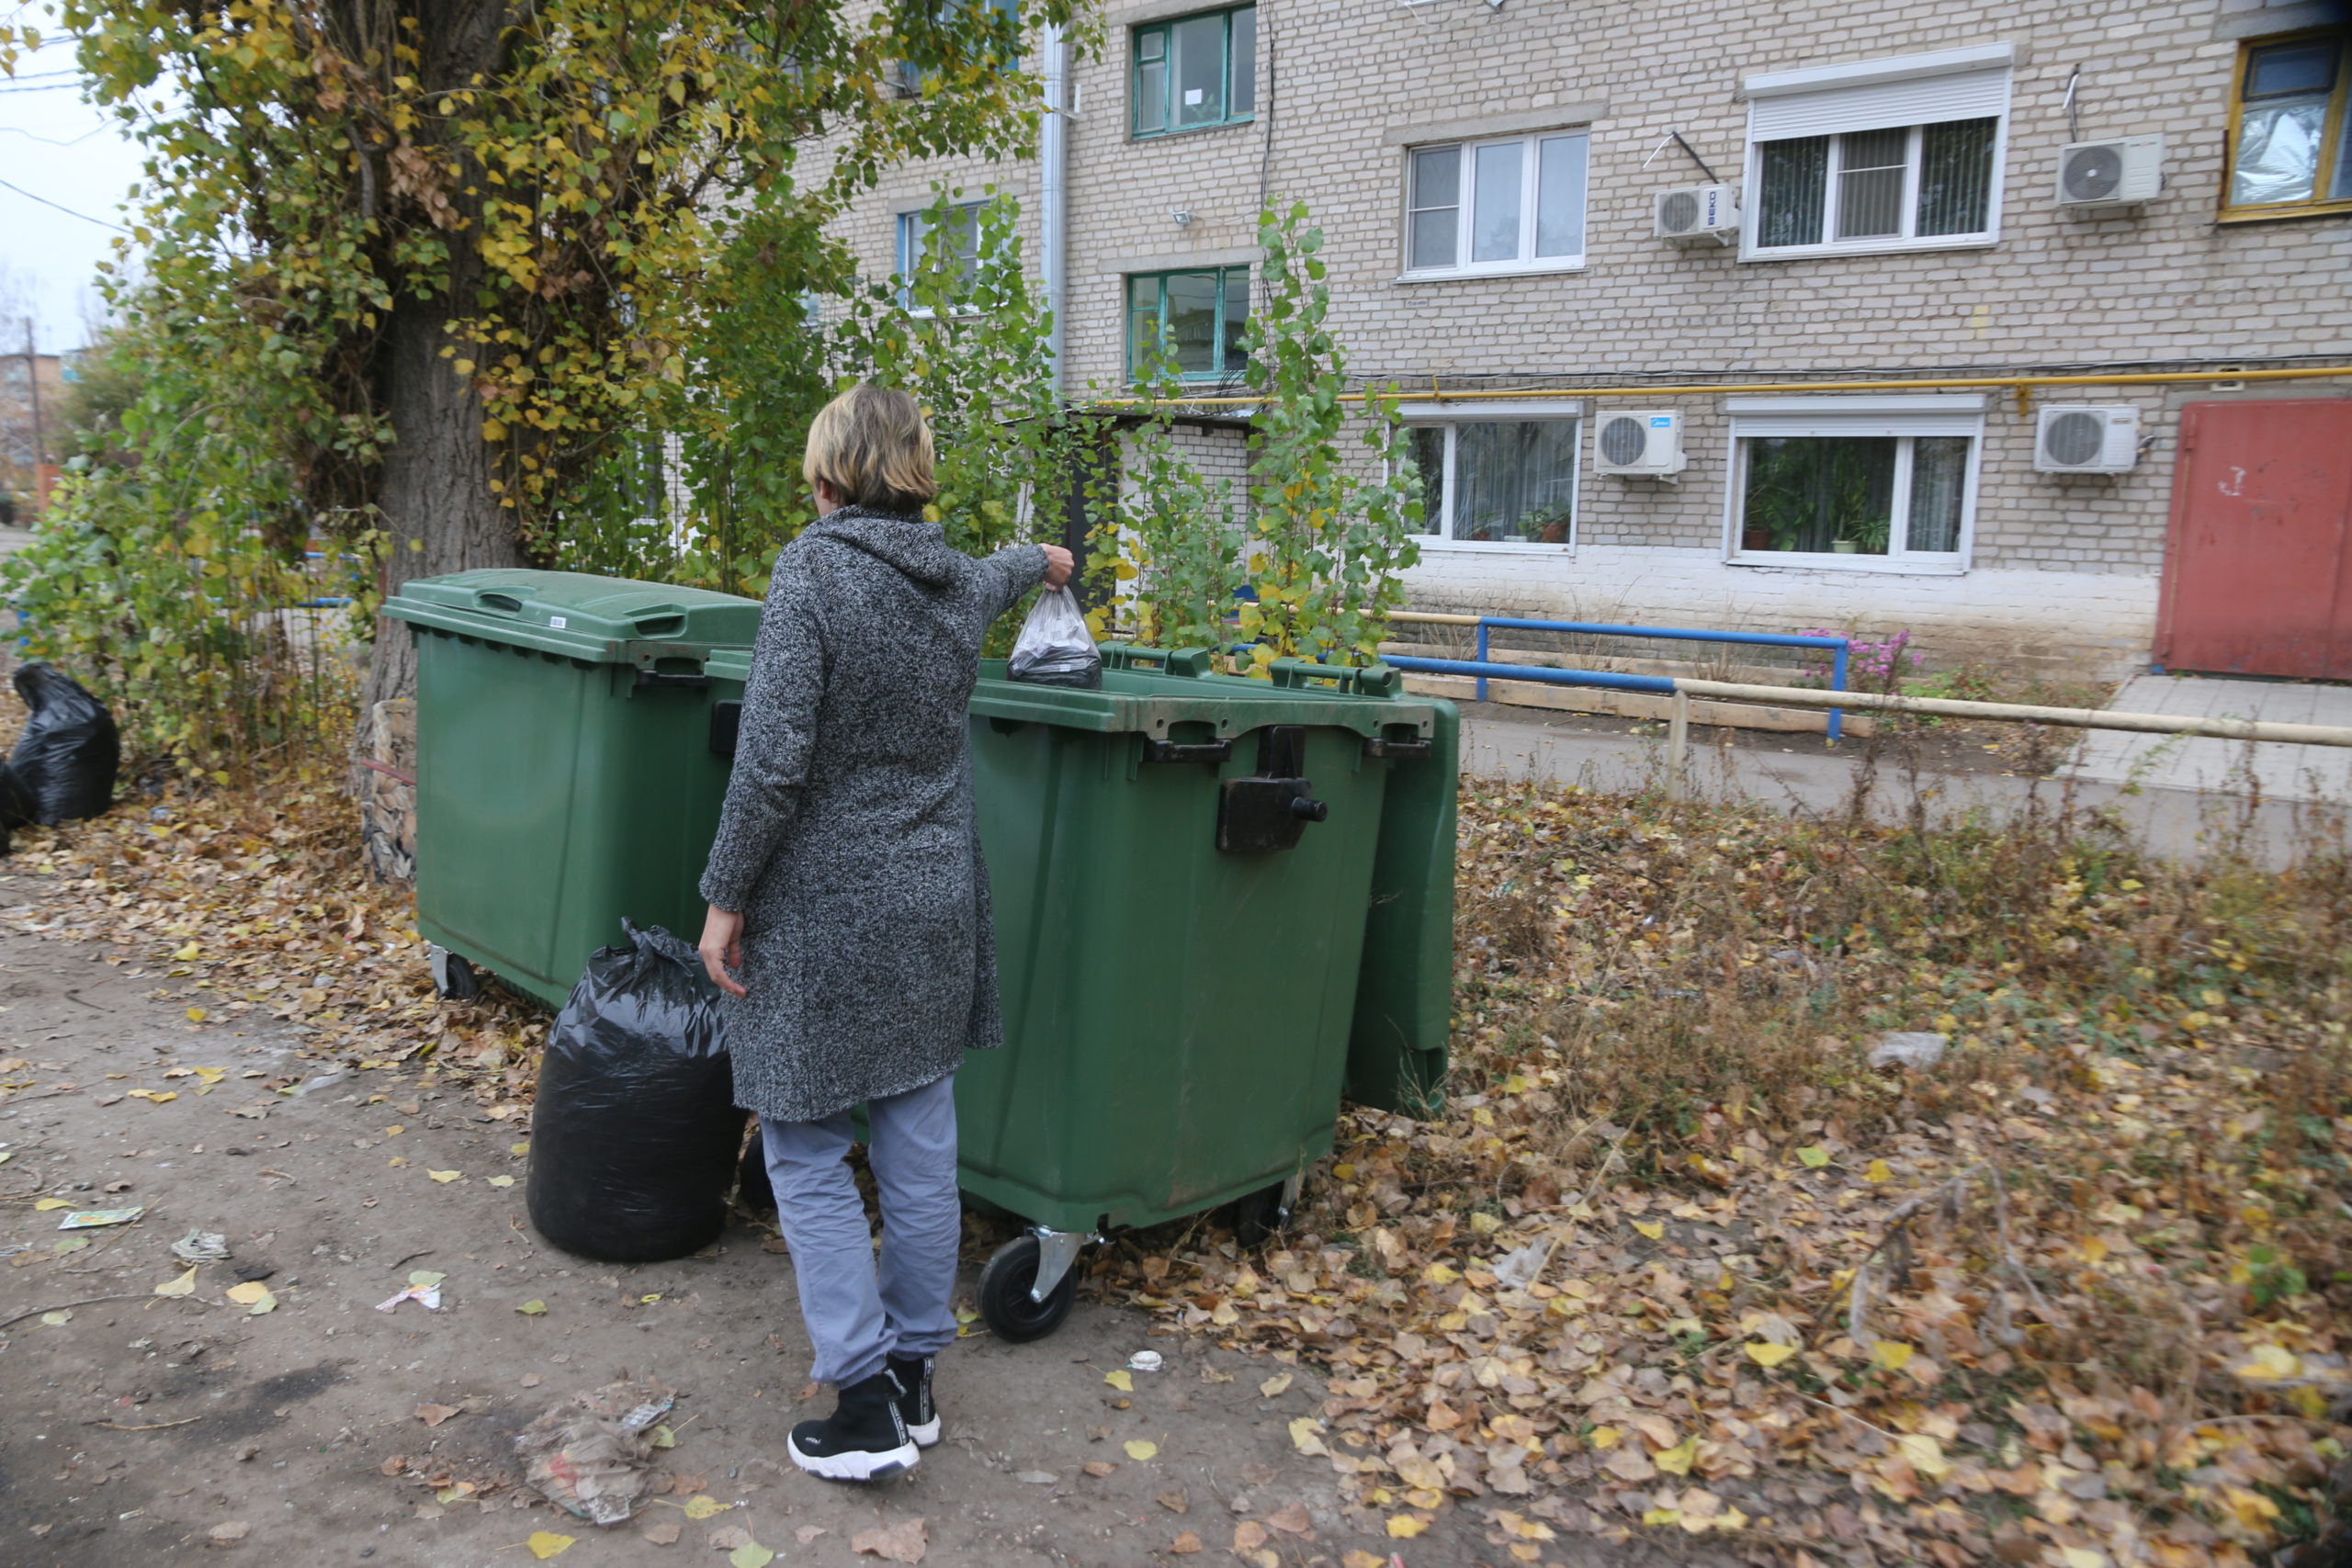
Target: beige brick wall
{"x": 2064, "y": 568}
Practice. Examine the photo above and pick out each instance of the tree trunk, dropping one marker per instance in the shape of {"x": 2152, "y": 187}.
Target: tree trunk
{"x": 434, "y": 500}
{"x": 437, "y": 513}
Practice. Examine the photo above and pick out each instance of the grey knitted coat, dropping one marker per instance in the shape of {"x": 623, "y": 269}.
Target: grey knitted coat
{"x": 847, "y": 841}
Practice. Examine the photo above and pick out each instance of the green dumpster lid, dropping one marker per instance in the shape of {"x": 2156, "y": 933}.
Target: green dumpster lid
{"x": 608, "y": 619}
{"x": 1148, "y": 689}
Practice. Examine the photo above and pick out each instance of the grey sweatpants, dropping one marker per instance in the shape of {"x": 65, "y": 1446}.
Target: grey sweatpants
{"x": 854, "y": 1317}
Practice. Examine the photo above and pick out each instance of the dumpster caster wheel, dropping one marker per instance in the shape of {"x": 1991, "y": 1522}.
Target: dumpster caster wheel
{"x": 1004, "y": 1293}
{"x": 454, "y": 978}
{"x": 1261, "y": 1216}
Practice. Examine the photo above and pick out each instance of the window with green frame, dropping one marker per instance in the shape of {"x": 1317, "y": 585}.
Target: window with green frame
{"x": 1196, "y": 72}
{"x": 1195, "y": 319}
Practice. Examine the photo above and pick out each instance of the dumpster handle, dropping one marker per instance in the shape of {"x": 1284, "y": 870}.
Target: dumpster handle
{"x": 1191, "y": 662}
{"x": 1365, "y": 681}
{"x": 506, "y": 601}
{"x": 666, "y": 678}
{"x": 1187, "y": 751}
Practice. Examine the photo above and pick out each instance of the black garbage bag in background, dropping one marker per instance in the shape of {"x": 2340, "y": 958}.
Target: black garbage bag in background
{"x": 64, "y": 763}
{"x": 634, "y": 1137}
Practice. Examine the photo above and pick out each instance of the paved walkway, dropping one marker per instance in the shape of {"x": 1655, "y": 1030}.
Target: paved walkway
{"x": 2284, "y": 773}
{"x": 1808, "y": 778}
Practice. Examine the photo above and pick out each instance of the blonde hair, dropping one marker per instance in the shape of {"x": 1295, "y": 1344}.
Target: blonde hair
{"x": 873, "y": 447}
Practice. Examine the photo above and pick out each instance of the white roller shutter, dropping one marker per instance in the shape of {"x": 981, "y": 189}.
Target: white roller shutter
{"x": 1897, "y": 415}
{"x": 1875, "y": 105}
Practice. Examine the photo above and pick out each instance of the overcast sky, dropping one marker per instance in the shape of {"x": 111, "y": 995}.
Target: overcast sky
{"x": 55, "y": 149}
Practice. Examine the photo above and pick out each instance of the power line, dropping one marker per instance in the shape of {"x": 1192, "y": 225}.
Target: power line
{"x": 67, "y": 210}
{"x": 51, "y": 140}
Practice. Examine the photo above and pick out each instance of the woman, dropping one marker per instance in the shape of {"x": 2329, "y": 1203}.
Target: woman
{"x": 848, "y": 892}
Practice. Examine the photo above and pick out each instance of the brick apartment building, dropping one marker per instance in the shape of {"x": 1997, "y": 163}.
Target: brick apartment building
{"x": 1488, "y": 176}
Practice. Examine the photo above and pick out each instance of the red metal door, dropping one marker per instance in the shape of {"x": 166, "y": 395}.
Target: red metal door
{"x": 2259, "y": 567}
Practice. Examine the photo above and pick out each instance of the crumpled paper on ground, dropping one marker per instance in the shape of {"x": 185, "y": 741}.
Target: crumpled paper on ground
{"x": 589, "y": 1454}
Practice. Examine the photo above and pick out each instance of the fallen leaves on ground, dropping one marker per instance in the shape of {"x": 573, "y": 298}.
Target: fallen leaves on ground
{"x": 545, "y": 1544}
{"x": 257, "y": 899}
{"x": 905, "y": 1541}
{"x": 1675, "y": 1260}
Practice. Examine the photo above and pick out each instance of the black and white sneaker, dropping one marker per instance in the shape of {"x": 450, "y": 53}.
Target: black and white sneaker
{"x": 864, "y": 1439}
{"x": 915, "y": 1407}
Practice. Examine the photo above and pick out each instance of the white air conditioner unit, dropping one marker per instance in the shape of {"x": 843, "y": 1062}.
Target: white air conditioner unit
{"x": 1696, "y": 213}
{"x": 1637, "y": 442}
{"x": 2126, "y": 172}
{"x": 2086, "y": 441}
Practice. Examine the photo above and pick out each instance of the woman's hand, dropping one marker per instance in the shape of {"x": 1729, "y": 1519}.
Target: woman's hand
{"x": 722, "y": 948}
{"x": 1059, "y": 564}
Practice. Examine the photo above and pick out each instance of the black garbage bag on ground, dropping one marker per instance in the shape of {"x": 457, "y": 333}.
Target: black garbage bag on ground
{"x": 16, "y": 806}
{"x": 634, "y": 1137}
{"x": 64, "y": 763}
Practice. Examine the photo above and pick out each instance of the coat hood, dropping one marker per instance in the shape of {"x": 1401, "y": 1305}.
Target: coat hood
{"x": 916, "y": 547}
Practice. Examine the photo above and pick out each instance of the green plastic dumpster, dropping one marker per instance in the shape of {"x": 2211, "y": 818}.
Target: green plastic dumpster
{"x": 569, "y": 772}
{"x": 1188, "y": 873}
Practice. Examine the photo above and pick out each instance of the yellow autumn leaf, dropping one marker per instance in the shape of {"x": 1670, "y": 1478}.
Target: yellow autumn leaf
{"x": 183, "y": 1286}
{"x": 545, "y": 1544}
{"x": 1306, "y": 1435}
{"x": 1405, "y": 1526}
{"x": 445, "y": 1175}
{"x": 1769, "y": 1355}
{"x": 255, "y": 1294}
{"x": 533, "y": 1309}
{"x": 1653, "y": 1229}
{"x": 1274, "y": 1385}
{"x": 702, "y": 1506}
{"x": 1892, "y": 1354}
{"x": 1140, "y": 1450}
{"x": 1120, "y": 1380}
{"x": 1813, "y": 1157}
{"x": 1606, "y": 1438}
{"x": 2083, "y": 1557}
{"x": 54, "y": 1203}
{"x": 751, "y": 1554}
{"x": 1676, "y": 1460}
{"x": 1438, "y": 1274}
{"x": 500, "y": 1180}
{"x": 1878, "y": 1171}
{"x": 522, "y": 1148}
{"x": 186, "y": 953}
{"x": 197, "y": 1015}
{"x": 1926, "y": 1454}
{"x": 2269, "y": 1361}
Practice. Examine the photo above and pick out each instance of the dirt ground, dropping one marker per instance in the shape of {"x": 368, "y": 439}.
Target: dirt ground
{"x": 140, "y": 1424}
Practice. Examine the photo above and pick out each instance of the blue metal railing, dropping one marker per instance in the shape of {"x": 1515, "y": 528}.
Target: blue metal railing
{"x": 1483, "y": 668}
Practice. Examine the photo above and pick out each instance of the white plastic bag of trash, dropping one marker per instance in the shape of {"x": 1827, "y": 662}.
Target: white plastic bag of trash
{"x": 589, "y": 1454}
